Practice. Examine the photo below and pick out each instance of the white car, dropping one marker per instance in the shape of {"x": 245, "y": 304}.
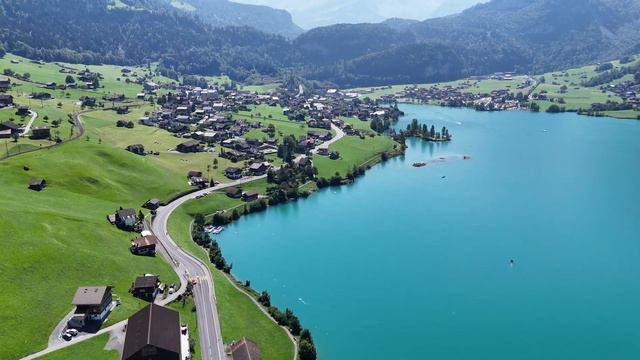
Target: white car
{"x": 72, "y": 332}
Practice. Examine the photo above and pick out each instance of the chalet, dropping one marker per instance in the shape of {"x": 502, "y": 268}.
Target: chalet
{"x": 11, "y": 127}
{"x": 245, "y": 349}
{"x": 150, "y": 86}
{"x": 37, "y": 184}
{"x": 233, "y": 173}
{"x": 234, "y": 155}
{"x": 250, "y": 196}
{"x": 183, "y": 110}
{"x": 88, "y": 101}
{"x": 258, "y": 169}
{"x": 146, "y": 120}
{"x": 93, "y": 303}
{"x": 234, "y": 193}
{"x": 5, "y": 83}
{"x": 190, "y": 146}
{"x": 153, "y": 333}
{"x": 194, "y": 173}
{"x": 323, "y": 151}
{"x": 137, "y": 149}
{"x": 321, "y": 135}
{"x": 122, "y": 110}
{"x": 40, "y": 132}
{"x": 184, "y": 119}
{"x": 22, "y": 110}
{"x": 126, "y": 218}
{"x": 125, "y": 70}
{"x": 41, "y": 96}
{"x": 152, "y": 204}
{"x": 198, "y": 181}
{"x": 50, "y": 85}
{"x": 5, "y": 100}
{"x": 145, "y": 287}
{"x": 145, "y": 245}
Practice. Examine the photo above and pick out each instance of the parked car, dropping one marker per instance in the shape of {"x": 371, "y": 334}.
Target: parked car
{"x": 67, "y": 336}
{"x": 72, "y": 332}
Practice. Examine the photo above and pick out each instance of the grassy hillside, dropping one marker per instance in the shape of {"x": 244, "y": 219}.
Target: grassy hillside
{"x": 60, "y": 238}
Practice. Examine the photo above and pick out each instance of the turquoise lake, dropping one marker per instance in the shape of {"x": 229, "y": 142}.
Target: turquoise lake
{"x": 414, "y": 263}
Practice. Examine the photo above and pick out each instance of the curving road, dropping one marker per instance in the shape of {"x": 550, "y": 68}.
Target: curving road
{"x": 208, "y": 322}
{"x": 187, "y": 267}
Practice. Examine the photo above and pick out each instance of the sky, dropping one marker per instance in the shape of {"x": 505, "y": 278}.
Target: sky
{"x": 313, "y": 13}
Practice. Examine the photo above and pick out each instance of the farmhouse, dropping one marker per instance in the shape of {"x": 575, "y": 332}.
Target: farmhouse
{"x": 233, "y": 193}
{"x": 245, "y": 349}
{"x": 194, "y": 173}
{"x": 10, "y": 128}
{"x": 5, "y": 100}
{"x": 258, "y": 169}
{"x": 136, "y": 149}
{"x": 93, "y": 303}
{"x": 37, "y": 184}
{"x": 250, "y": 196}
{"x": 40, "y": 132}
{"x": 22, "y": 110}
{"x": 145, "y": 287}
{"x": 153, "y": 333}
{"x": 145, "y": 245}
{"x": 122, "y": 110}
{"x": 5, "y": 83}
{"x": 126, "y": 218}
{"x": 233, "y": 173}
{"x": 190, "y": 146}
{"x": 152, "y": 204}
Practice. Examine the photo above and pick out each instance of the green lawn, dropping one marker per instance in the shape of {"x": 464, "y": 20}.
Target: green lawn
{"x": 354, "y": 152}
{"x": 88, "y": 349}
{"x": 60, "y": 238}
{"x": 267, "y": 115}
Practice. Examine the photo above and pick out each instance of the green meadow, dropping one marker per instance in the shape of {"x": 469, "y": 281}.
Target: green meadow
{"x": 60, "y": 238}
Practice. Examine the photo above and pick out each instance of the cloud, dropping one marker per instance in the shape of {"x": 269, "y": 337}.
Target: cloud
{"x": 312, "y": 13}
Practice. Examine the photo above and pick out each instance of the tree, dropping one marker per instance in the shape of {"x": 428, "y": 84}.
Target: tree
{"x": 69, "y": 79}
{"x": 534, "y": 107}
{"x": 307, "y": 350}
{"x": 199, "y": 220}
{"x": 554, "y": 109}
{"x": 636, "y": 77}
{"x": 265, "y": 299}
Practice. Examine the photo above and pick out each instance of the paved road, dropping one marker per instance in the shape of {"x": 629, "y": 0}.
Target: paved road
{"x": 27, "y": 128}
{"x": 339, "y": 135}
{"x": 208, "y": 322}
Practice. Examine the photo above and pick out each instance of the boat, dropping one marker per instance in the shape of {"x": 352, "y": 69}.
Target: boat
{"x": 209, "y": 228}
{"x": 419, "y": 164}
{"x": 218, "y": 230}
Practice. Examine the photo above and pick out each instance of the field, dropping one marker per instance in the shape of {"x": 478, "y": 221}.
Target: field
{"x": 60, "y": 236}
{"x": 353, "y": 152}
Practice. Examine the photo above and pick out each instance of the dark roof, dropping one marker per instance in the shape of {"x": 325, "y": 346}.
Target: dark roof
{"x": 190, "y": 143}
{"x": 233, "y": 190}
{"x": 145, "y": 282}
{"x": 233, "y": 170}
{"x": 154, "y": 325}
{"x": 125, "y": 213}
{"x": 245, "y": 349}
{"x": 10, "y": 125}
{"x": 90, "y": 295}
